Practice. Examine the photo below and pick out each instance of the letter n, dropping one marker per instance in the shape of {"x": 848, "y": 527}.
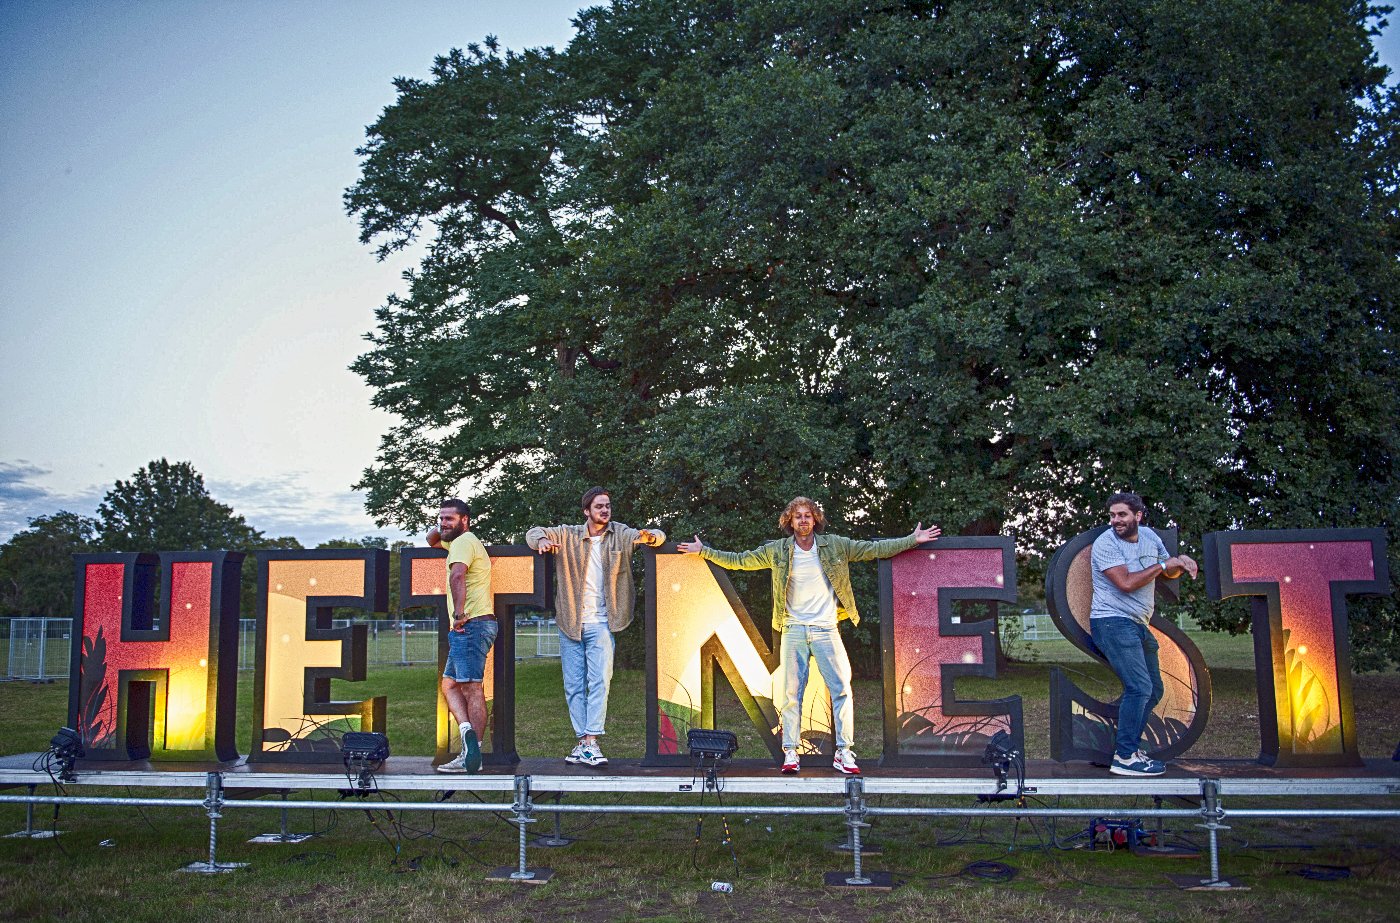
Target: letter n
{"x": 159, "y": 687}
{"x": 697, "y": 626}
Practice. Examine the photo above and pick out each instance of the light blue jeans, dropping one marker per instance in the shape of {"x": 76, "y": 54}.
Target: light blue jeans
{"x": 588, "y": 669}
{"x": 800, "y": 644}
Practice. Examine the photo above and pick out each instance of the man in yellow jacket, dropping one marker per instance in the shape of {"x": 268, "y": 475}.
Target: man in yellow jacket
{"x": 811, "y": 593}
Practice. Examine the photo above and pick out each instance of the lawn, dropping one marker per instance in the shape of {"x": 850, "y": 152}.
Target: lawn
{"x": 122, "y": 862}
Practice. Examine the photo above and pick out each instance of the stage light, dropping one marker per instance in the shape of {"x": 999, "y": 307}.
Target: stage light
{"x": 1002, "y": 755}
{"x": 707, "y": 744}
{"x": 66, "y": 748}
{"x": 364, "y": 753}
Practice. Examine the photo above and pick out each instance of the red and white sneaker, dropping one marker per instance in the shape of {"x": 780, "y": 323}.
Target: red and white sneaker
{"x": 790, "y": 763}
{"x": 845, "y": 762}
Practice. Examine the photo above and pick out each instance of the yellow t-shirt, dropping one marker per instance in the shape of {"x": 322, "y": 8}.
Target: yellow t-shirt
{"x": 467, "y": 549}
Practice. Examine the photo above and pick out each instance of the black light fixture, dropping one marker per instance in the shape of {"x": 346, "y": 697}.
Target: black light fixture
{"x": 708, "y": 744}
{"x": 66, "y": 748}
{"x": 1001, "y": 754}
{"x": 364, "y": 753}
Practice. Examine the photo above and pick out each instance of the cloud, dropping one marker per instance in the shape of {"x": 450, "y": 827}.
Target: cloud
{"x": 288, "y": 505}
{"x": 22, "y": 498}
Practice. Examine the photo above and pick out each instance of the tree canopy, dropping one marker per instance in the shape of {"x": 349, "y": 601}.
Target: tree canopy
{"x": 977, "y": 264}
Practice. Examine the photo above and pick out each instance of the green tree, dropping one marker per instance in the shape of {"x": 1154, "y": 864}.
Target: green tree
{"x": 977, "y": 264}
{"x": 36, "y": 565}
{"x": 166, "y": 507}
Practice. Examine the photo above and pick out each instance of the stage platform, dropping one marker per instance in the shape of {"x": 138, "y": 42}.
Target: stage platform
{"x": 1044, "y": 778}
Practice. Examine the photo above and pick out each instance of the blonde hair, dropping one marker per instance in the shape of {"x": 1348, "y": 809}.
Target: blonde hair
{"x": 797, "y": 503}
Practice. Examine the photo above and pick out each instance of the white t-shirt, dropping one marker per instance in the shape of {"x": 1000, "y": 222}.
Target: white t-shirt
{"x": 595, "y": 607}
{"x": 810, "y": 600}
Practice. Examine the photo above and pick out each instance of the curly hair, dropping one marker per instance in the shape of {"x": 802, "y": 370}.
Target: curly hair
{"x": 785, "y": 520}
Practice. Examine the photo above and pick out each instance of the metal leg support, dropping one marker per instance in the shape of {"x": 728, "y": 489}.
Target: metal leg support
{"x": 557, "y": 838}
{"x": 29, "y": 832}
{"x": 282, "y": 835}
{"x": 1212, "y": 814}
{"x": 213, "y": 801}
{"x": 855, "y": 822}
{"x": 523, "y": 808}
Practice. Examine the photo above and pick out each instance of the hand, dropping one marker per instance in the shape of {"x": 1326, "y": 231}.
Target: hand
{"x": 646, "y": 537}
{"x": 926, "y": 535}
{"x": 459, "y": 622}
{"x": 546, "y": 546}
{"x": 434, "y": 538}
{"x": 694, "y": 547}
{"x": 1173, "y": 567}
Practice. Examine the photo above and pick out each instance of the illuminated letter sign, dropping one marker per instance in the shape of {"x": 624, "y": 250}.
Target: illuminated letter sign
{"x": 160, "y": 688}
{"x": 299, "y": 652}
{"x": 925, "y": 651}
{"x": 1298, "y": 581}
{"x": 518, "y": 578}
{"x": 1081, "y": 726}
{"x": 696, "y": 625}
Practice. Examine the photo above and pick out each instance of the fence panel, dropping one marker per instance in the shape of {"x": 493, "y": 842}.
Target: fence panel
{"x": 40, "y": 649}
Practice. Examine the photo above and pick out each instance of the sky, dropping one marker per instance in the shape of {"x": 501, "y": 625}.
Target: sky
{"x": 178, "y": 277}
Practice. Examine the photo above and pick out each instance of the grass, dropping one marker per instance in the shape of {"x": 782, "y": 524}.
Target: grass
{"x": 640, "y": 867}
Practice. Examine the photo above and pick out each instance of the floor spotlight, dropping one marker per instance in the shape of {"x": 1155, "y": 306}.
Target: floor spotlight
{"x": 364, "y": 753}
{"x": 65, "y": 749}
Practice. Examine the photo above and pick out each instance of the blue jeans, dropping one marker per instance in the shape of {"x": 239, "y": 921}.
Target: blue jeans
{"x": 1132, "y": 653}
{"x": 588, "y": 669}
{"x": 800, "y": 644}
{"x": 467, "y": 649}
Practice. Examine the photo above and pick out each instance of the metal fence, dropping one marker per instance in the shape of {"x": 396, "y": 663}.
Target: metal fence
{"x": 37, "y": 649}
{"x": 1038, "y": 626}
{"x": 403, "y": 643}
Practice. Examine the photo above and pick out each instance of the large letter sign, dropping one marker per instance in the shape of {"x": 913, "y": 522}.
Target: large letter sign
{"x": 519, "y": 577}
{"x": 925, "y": 650}
{"x": 299, "y": 652}
{"x": 1298, "y": 581}
{"x": 1081, "y": 726}
{"x": 160, "y": 687}
{"x": 697, "y": 624}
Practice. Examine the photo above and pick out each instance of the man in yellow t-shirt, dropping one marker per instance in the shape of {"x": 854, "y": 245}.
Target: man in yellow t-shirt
{"x": 473, "y": 628}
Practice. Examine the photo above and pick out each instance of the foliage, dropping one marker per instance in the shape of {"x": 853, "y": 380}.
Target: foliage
{"x": 36, "y": 565}
{"x": 166, "y": 506}
{"x": 969, "y": 263}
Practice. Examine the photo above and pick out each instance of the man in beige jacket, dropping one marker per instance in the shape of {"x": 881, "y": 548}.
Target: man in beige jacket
{"x": 593, "y": 599}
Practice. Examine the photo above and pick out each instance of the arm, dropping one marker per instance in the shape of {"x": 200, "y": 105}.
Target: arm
{"x": 757, "y": 559}
{"x": 457, "y": 579}
{"x": 859, "y": 550}
{"x": 543, "y": 539}
{"x": 653, "y": 537}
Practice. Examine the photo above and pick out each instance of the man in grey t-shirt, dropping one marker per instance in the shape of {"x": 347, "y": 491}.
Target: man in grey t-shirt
{"x": 1127, "y": 560}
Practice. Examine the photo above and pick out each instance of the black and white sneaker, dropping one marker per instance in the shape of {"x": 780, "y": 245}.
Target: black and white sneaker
{"x": 1139, "y": 764}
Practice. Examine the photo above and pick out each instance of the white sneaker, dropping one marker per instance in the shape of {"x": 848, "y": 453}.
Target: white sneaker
{"x": 592, "y": 755}
{"x": 456, "y": 764}
{"x": 845, "y": 762}
{"x": 576, "y": 754}
{"x": 791, "y": 766}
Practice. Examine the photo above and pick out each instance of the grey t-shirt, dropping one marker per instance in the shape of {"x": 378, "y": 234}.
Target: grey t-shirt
{"x": 1111, "y": 551}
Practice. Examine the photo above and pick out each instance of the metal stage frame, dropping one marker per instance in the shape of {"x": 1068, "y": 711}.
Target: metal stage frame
{"x": 237, "y": 785}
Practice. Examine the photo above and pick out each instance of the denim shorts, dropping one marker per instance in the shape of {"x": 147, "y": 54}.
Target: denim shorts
{"x": 467, "y": 649}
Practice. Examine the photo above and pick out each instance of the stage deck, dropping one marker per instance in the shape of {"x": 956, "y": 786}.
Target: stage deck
{"x": 756, "y": 777}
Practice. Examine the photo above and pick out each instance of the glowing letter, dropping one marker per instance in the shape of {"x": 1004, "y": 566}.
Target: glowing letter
{"x": 519, "y": 577}
{"x": 698, "y": 624}
{"x": 925, "y": 651}
{"x": 1081, "y": 726}
{"x": 1298, "y": 581}
{"x": 160, "y": 688}
{"x": 299, "y": 653}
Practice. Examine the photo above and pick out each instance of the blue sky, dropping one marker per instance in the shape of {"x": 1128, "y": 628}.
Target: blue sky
{"x": 177, "y": 275}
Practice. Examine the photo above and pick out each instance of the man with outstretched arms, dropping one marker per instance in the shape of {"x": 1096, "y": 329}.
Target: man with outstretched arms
{"x": 593, "y": 600}
{"x": 473, "y": 628}
{"x": 811, "y": 593}
{"x": 1127, "y": 560}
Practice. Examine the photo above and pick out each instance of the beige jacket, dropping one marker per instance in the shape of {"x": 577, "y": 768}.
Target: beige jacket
{"x": 571, "y": 569}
